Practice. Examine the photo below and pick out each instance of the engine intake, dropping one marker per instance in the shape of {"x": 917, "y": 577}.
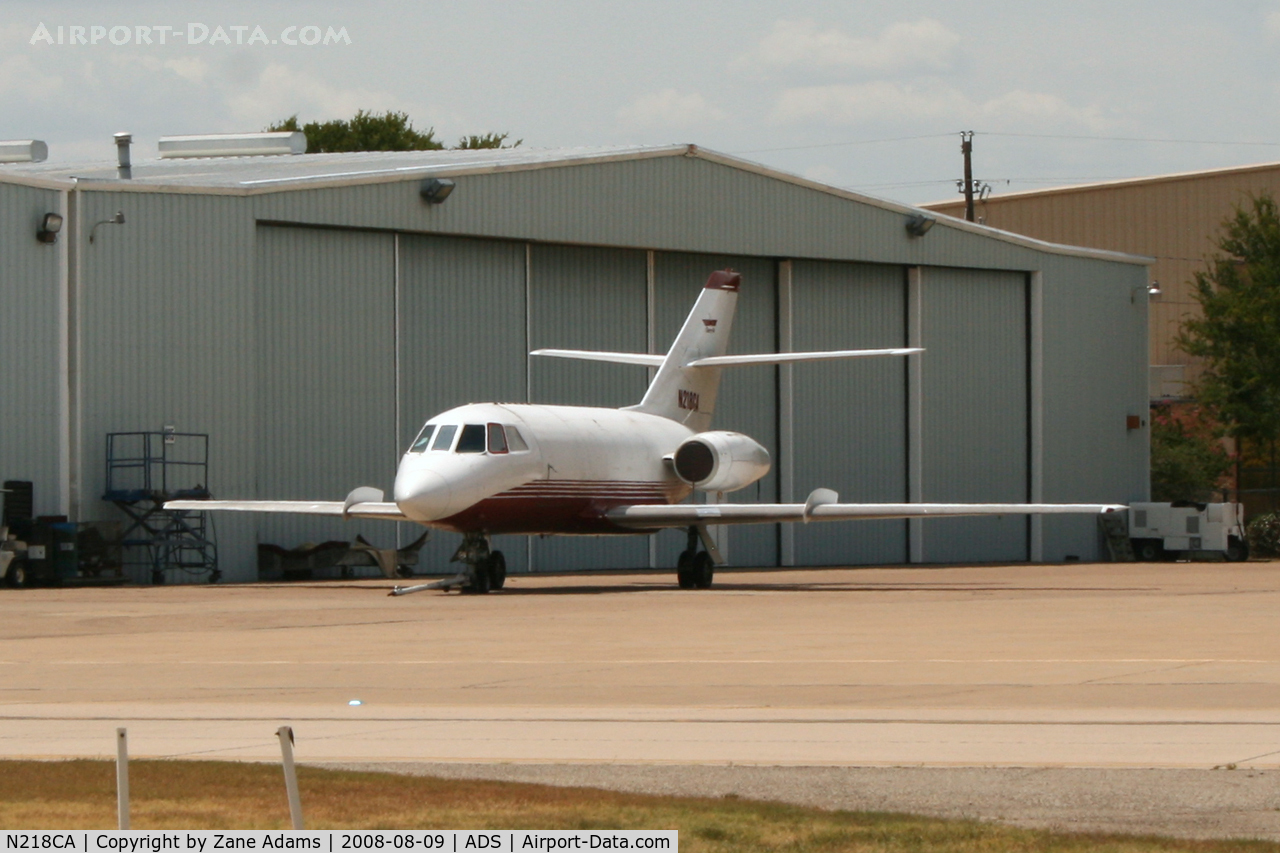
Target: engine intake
{"x": 720, "y": 461}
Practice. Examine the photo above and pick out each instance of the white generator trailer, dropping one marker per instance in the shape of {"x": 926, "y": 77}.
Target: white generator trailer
{"x": 1186, "y": 530}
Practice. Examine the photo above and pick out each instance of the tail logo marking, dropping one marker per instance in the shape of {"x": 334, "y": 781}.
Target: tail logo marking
{"x": 709, "y": 325}
{"x": 687, "y": 399}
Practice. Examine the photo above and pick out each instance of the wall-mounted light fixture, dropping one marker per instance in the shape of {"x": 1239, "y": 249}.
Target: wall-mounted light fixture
{"x": 118, "y": 219}
{"x": 918, "y": 224}
{"x": 1153, "y": 291}
{"x": 50, "y": 225}
{"x": 435, "y": 190}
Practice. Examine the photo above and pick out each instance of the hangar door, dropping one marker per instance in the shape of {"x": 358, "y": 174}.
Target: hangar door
{"x": 325, "y": 334}
{"x": 587, "y": 298}
{"x": 461, "y": 339}
{"x": 850, "y": 415}
{"x": 974, "y": 378}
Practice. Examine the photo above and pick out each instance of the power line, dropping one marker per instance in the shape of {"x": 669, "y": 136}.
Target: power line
{"x": 1084, "y": 137}
{"x": 841, "y": 144}
{"x": 1129, "y": 139}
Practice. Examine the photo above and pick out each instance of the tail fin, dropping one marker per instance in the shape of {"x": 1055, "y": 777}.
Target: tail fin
{"x": 688, "y": 394}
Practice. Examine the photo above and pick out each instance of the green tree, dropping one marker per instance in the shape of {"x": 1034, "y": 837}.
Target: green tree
{"x": 487, "y": 140}
{"x": 1187, "y": 460}
{"x": 391, "y": 131}
{"x": 1238, "y": 334}
{"x": 365, "y": 131}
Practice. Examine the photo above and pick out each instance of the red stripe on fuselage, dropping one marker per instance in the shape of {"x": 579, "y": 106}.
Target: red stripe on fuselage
{"x": 561, "y": 506}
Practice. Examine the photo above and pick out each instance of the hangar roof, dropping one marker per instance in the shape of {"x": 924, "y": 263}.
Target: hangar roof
{"x": 258, "y": 175}
{"x": 304, "y": 171}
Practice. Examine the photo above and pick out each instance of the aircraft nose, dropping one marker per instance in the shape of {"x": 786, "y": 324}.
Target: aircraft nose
{"x": 423, "y": 495}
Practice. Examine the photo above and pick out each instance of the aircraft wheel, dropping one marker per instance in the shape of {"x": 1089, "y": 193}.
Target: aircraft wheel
{"x": 1149, "y": 550}
{"x": 1237, "y": 549}
{"x": 684, "y": 570}
{"x": 497, "y": 570}
{"x": 17, "y": 576}
{"x": 479, "y": 579}
{"x": 704, "y": 569}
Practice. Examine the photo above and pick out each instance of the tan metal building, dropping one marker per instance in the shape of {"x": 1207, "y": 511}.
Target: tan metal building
{"x": 1175, "y": 219}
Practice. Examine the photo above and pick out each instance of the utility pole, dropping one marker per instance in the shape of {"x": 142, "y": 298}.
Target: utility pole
{"x": 966, "y": 148}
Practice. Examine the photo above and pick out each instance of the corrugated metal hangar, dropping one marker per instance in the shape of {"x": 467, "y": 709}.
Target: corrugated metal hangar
{"x": 1175, "y": 219}
{"x": 310, "y": 312}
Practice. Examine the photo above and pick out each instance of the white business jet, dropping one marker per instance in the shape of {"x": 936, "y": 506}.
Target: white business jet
{"x": 492, "y": 468}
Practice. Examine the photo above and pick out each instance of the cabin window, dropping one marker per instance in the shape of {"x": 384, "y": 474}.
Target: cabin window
{"x": 497, "y": 439}
{"x": 472, "y": 439}
{"x": 515, "y": 440}
{"x": 444, "y": 437}
{"x": 423, "y": 440}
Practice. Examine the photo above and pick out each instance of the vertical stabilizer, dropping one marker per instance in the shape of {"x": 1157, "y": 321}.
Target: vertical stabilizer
{"x": 688, "y": 394}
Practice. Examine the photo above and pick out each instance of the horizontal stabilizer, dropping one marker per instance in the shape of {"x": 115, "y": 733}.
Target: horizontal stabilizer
{"x": 786, "y": 357}
{"x": 368, "y": 509}
{"x": 615, "y": 357}
{"x": 649, "y": 517}
{"x": 723, "y": 360}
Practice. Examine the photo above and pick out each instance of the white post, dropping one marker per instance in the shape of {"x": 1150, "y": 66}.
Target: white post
{"x": 285, "y": 733}
{"x": 122, "y": 778}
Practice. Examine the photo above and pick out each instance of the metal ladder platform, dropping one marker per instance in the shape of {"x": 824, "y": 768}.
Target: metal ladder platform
{"x": 146, "y": 469}
{"x": 1115, "y": 530}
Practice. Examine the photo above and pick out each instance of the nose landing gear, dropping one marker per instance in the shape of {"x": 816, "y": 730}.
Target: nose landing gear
{"x": 483, "y": 569}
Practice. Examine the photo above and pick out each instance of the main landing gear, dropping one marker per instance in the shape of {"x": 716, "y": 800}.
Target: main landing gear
{"x": 484, "y": 570}
{"x": 695, "y": 569}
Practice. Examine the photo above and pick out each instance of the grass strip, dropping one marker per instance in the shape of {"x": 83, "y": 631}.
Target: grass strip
{"x": 232, "y": 795}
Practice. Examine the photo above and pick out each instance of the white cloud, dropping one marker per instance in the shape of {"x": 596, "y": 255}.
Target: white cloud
{"x": 668, "y": 108}
{"x": 864, "y": 102}
{"x": 882, "y": 101}
{"x": 1271, "y": 23}
{"x": 281, "y": 91}
{"x": 1040, "y": 107}
{"x": 923, "y": 45}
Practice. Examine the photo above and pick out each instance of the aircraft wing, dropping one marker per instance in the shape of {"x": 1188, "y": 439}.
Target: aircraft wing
{"x": 363, "y": 502}
{"x": 823, "y": 505}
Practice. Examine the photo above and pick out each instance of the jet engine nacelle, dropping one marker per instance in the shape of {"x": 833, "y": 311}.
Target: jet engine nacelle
{"x": 720, "y": 461}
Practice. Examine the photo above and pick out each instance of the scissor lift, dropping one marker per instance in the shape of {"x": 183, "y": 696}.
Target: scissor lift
{"x": 145, "y": 469}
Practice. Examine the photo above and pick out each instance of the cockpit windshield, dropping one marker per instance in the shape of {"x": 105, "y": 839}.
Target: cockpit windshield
{"x": 444, "y": 437}
{"x": 472, "y": 439}
{"x": 516, "y": 440}
{"x": 497, "y": 439}
{"x": 423, "y": 440}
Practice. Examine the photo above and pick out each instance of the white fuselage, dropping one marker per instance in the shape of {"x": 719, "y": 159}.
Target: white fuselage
{"x": 561, "y": 469}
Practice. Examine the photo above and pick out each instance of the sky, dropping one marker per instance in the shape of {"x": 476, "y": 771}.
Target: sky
{"x": 869, "y": 95}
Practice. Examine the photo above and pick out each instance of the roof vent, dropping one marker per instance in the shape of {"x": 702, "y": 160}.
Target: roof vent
{"x": 233, "y": 145}
{"x": 124, "y": 166}
{"x": 23, "y": 151}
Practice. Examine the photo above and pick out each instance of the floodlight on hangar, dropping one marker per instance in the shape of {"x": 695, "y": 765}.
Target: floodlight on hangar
{"x": 435, "y": 190}
{"x": 918, "y": 224}
{"x": 50, "y": 225}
